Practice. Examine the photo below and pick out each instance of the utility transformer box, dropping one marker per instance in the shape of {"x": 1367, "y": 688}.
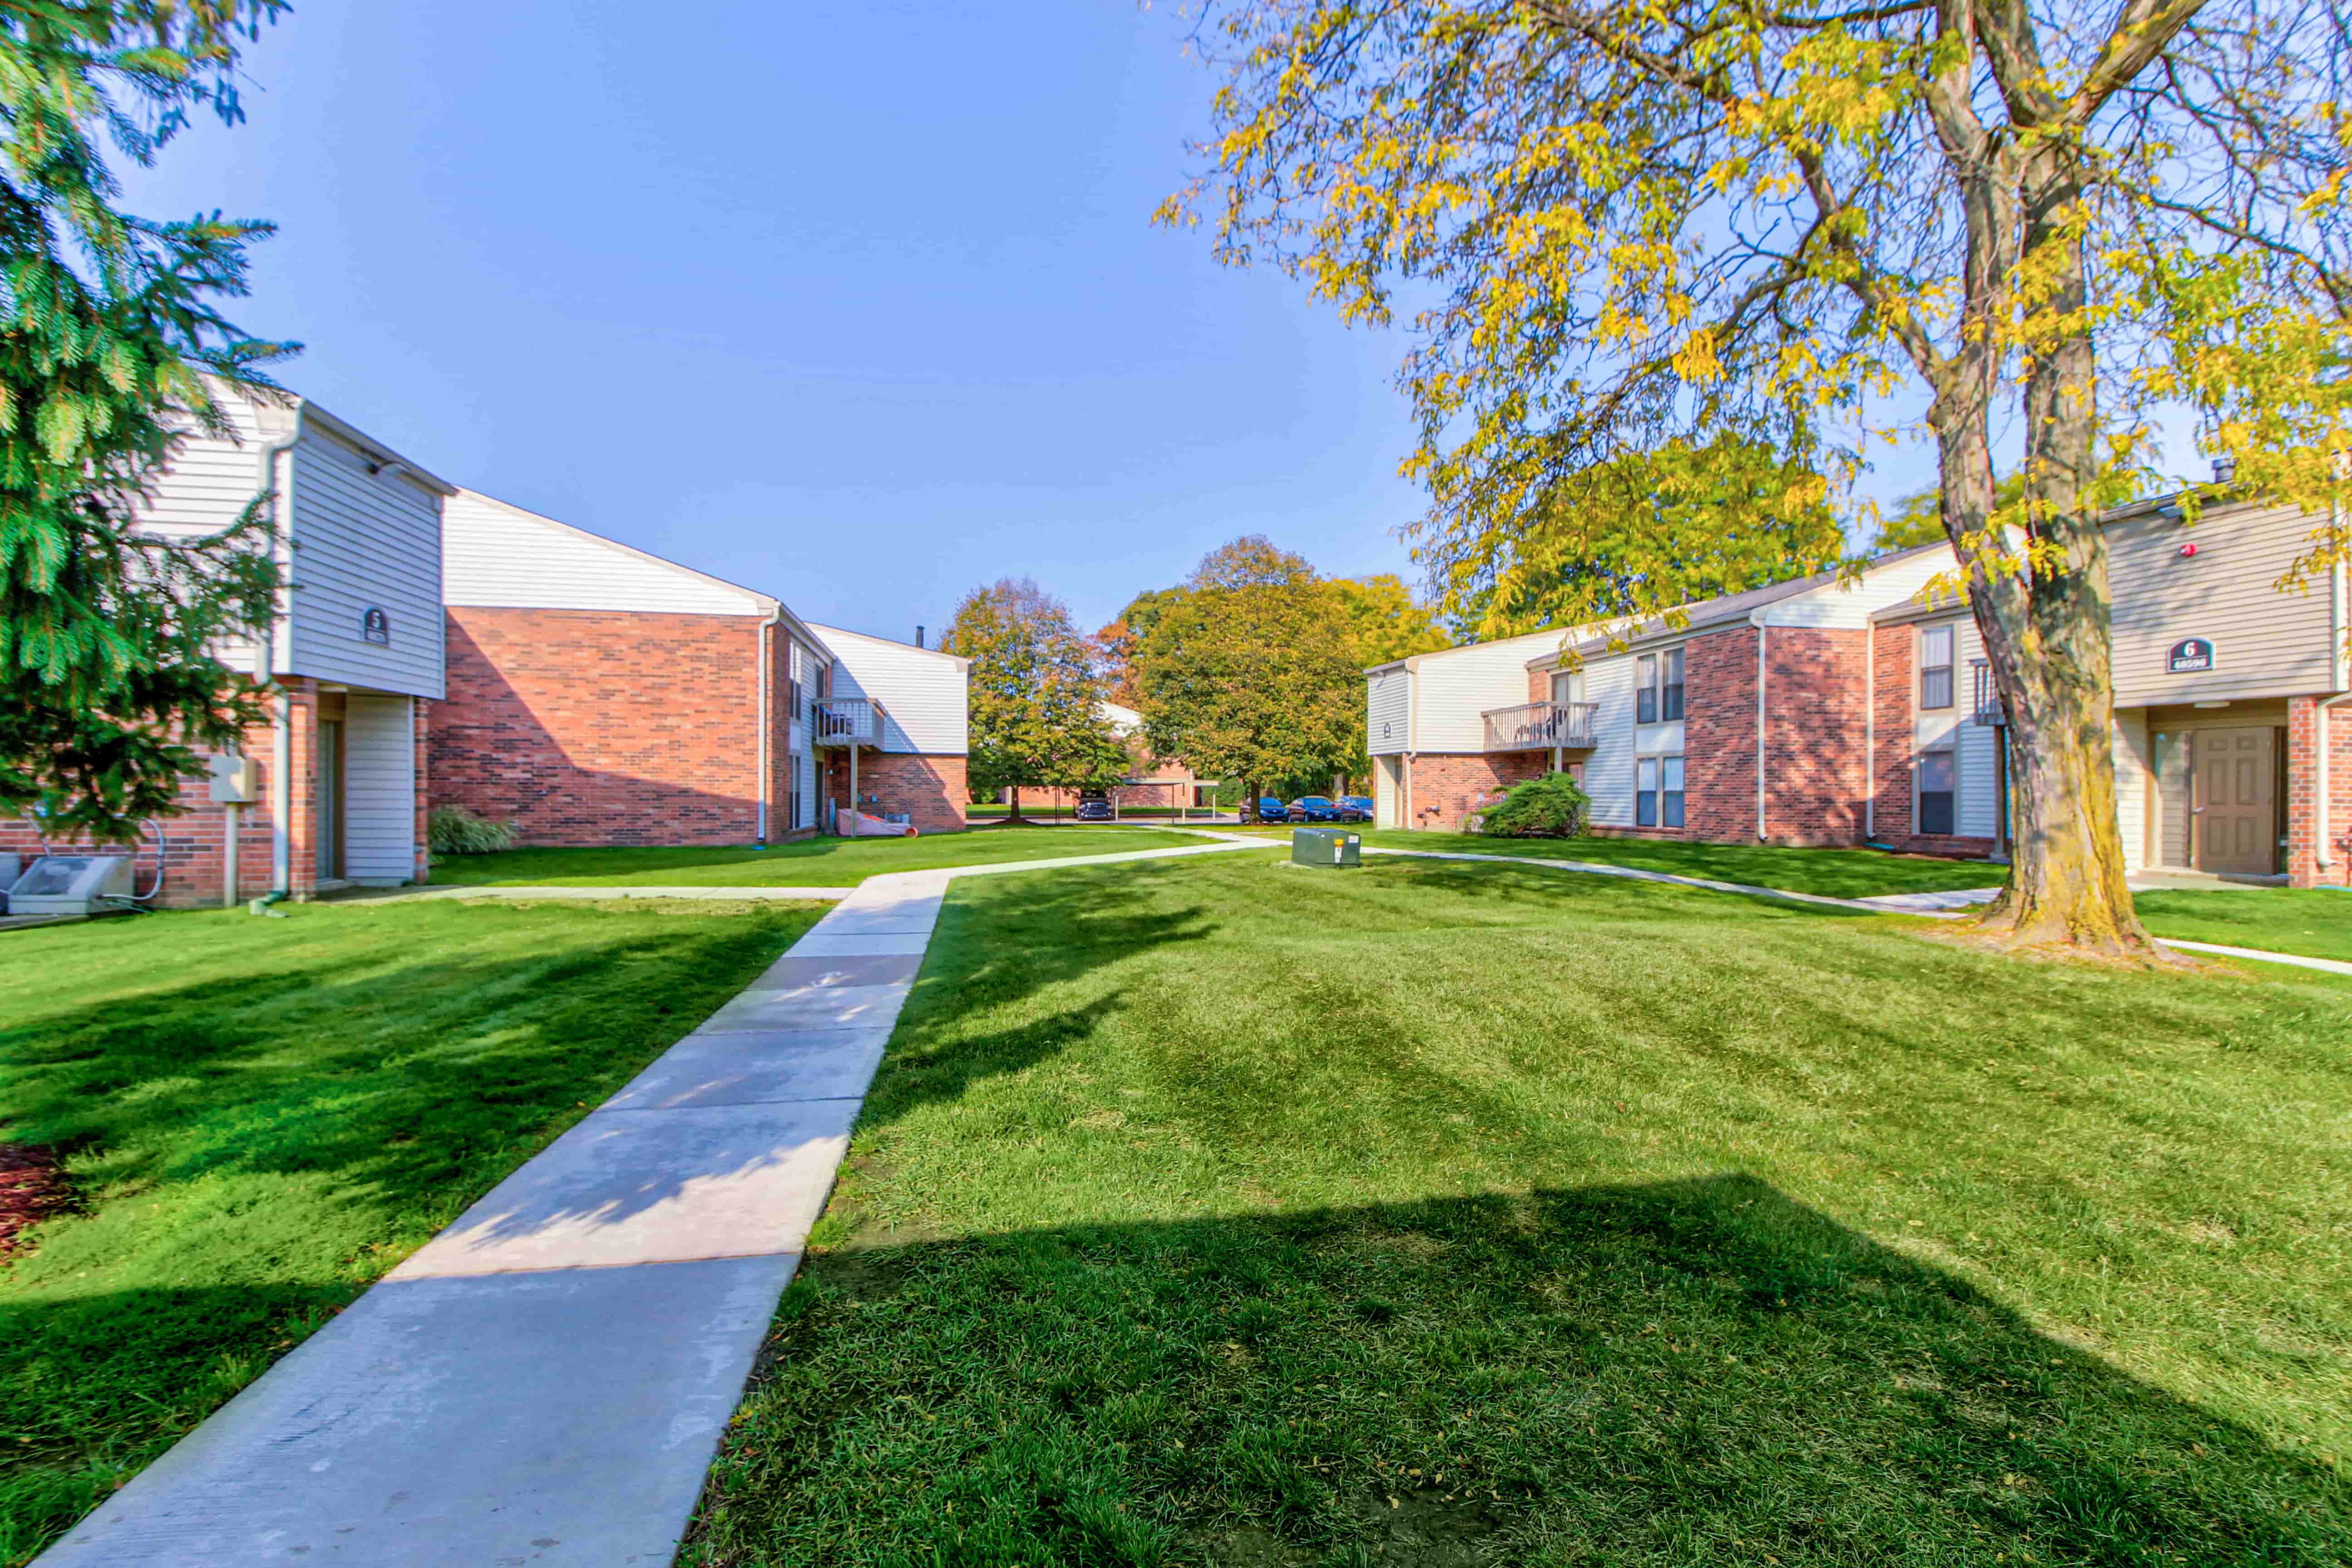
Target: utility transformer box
{"x": 1326, "y": 846}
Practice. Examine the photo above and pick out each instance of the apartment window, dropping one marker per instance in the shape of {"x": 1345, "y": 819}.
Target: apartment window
{"x": 1938, "y": 787}
{"x": 1935, "y": 667}
{"x": 1658, "y": 687}
{"x": 1658, "y": 792}
{"x": 1645, "y": 689}
{"x": 1670, "y": 692}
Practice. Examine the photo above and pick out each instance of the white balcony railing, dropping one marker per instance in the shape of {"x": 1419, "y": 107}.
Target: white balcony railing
{"x": 1540, "y": 727}
{"x": 847, "y": 721}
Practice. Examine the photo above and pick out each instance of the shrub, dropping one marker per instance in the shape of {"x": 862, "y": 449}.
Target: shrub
{"x": 454, "y": 831}
{"x": 1552, "y": 806}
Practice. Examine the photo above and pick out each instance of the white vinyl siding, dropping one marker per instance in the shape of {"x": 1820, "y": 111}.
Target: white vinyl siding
{"x": 2266, "y": 643}
{"x": 379, "y": 789}
{"x": 359, "y": 540}
{"x": 2133, "y": 782}
{"x": 1456, "y": 688}
{"x": 1609, "y": 766}
{"x": 1388, "y": 792}
{"x": 925, "y": 696}
{"x": 498, "y": 556}
{"x": 1850, "y": 606}
{"x": 1388, "y": 712}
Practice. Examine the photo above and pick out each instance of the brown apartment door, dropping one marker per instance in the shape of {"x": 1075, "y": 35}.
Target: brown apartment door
{"x": 2236, "y": 805}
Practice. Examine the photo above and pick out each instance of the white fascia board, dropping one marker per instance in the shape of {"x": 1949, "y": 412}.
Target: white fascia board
{"x": 958, "y": 660}
{"x": 370, "y": 447}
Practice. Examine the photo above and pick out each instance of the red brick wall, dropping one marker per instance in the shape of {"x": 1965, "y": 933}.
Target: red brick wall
{"x": 596, "y": 727}
{"x": 1891, "y": 768}
{"x": 1719, "y": 737}
{"x": 193, "y": 844}
{"x": 932, "y": 791}
{"x": 1816, "y": 767}
{"x": 1448, "y": 786}
{"x": 2304, "y": 829}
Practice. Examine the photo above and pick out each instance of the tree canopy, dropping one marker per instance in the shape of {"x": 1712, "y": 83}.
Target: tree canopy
{"x": 109, "y": 327}
{"x": 1252, "y": 674}
{"x": 1628, "y": 224}
{"x": 1037, "y": 694}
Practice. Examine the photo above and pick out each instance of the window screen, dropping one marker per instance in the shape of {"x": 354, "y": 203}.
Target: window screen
{"x": 1936, "y": 667}
{"x": 1937, "y": 778}
{"x": 1670, "y": 699}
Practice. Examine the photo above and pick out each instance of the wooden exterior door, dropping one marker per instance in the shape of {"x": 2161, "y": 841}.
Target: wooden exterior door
{"x": 2237, "y": 804}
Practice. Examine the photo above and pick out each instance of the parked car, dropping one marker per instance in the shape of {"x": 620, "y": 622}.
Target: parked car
{"x": 1094, "y": 805}
{"x": 1360, "y": 804}
{"x": 1315, "y": 809}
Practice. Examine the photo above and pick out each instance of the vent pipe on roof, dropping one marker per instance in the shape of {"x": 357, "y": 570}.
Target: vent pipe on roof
{"x": 2225, "y": 469}
{"x": 919, "y": 636}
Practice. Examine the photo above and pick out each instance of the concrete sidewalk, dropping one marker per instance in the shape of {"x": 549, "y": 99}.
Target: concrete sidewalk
{"x": 547, "y": 1380}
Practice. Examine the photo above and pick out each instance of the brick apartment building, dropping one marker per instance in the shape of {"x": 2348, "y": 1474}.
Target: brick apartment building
{"x": 1159, "y": 782}
{"x": 1829, "y": 712}
{"x": 354, "y": 652}
{"x": 601, "y": 696}
{"x": 435, "y": 647}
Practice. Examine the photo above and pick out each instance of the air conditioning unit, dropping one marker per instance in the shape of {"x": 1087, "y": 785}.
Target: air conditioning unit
{"x": 71, "y": 884}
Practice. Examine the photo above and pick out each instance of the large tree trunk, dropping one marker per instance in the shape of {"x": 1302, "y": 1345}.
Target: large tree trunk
{"x": 2044, "y": 628}
{"x": 1013, "y": 814}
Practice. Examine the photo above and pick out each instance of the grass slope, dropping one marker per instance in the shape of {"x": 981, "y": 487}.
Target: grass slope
{"x": 812, "y": 862}
{"x": 264, "y": 1116}
{"x": 1836, "y": 874}
{"x": 1235, "y": 1213}
{"x": 2314, "y": 921}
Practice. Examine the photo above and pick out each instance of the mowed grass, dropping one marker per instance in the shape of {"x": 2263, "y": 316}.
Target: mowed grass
{"x": 812, "y": 862}
{"x": 1834, "y": 873}
{"x": 2314, "y": 921}
{"x": 1228, "y": 1212}
{"x": 262, "y": 1116}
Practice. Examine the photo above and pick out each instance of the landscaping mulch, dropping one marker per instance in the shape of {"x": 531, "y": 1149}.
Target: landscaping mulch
{"x": 33, "y": 1186}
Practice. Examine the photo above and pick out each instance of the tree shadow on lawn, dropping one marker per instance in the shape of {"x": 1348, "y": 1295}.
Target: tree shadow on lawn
{"x": 1700, "y": 1371}
{"x": 256, "y": 1149}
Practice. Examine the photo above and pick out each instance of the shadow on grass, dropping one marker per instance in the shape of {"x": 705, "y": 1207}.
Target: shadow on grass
{"x": 1689, "y": 1372}
{"x": 257, "y": 1146}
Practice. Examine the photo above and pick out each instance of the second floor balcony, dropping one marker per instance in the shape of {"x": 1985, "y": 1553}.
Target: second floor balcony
{"x": 1540, "y": 727}
{"x": 847, "y": 721}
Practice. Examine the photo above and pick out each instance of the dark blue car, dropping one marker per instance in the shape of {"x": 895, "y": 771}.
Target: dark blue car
{"x": 1360, "y": 804}
{"x": 1270, "y": 809}
{"x": 1322, "y": 809}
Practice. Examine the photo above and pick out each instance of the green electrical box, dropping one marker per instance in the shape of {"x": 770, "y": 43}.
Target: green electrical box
{"x": 1326, "y": 846}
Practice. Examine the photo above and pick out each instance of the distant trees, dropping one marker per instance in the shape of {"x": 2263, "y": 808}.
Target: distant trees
{"x": 1251, "y": 674}
{"x": 1037, "y": 694}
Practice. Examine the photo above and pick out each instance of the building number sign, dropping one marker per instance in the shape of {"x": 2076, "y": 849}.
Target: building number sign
{"x": 2189, "y": 656}
{"x": 375, "y": 626}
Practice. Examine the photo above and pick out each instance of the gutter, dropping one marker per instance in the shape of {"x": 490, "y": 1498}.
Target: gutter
{"x": 765, "y": 720}
{"x": 1870, "y": 730}
{"x": 2322, "y": 805}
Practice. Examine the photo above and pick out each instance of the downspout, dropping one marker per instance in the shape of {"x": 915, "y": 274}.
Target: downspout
{"x": 265, "y": 660}
{"x": 766, "y": 718}
{"x": 1756, "y": 619}
{"x": 1870, "y": 730}
{"x": 2321, "y": 805}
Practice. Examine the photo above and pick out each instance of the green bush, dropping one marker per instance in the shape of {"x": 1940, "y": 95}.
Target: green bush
{"x": 454, "y": 831}
{"x": 1553, "y": 806}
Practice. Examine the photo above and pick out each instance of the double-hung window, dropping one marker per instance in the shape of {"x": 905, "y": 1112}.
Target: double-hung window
{"x": 1658, "y": 792}
{"x": 1658, "y": 687}
{"x": 1936, "y": 667}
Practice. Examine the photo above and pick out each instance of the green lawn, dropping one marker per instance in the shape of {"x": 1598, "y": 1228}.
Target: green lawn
{"x": 1227, "y": 1212}
{"x": 264, "y": 1116}
{"x": 1837, "y": 873}
{"x": 2315, "y": 923}
{"x": 812, "y": 862}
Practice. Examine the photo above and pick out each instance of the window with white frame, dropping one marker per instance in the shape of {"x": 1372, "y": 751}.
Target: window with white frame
{"x": 1938, "y": 774}
{"x": 1936, "y": 667}
{"x": 1658, "y": 687}
{"x": 1658, "y": 792}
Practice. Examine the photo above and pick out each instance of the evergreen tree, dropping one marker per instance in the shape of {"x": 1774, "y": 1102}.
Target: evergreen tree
{"x": 1037, "y": 719}
{"x": 110, "y": 673}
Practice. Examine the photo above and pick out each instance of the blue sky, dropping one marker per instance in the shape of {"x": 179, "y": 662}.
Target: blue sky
{"x": 856, "y": 303}
{"x": 859, "y": 304}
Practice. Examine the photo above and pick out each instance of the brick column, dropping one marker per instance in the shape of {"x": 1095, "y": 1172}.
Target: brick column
{"x": 2305, "y": 833}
